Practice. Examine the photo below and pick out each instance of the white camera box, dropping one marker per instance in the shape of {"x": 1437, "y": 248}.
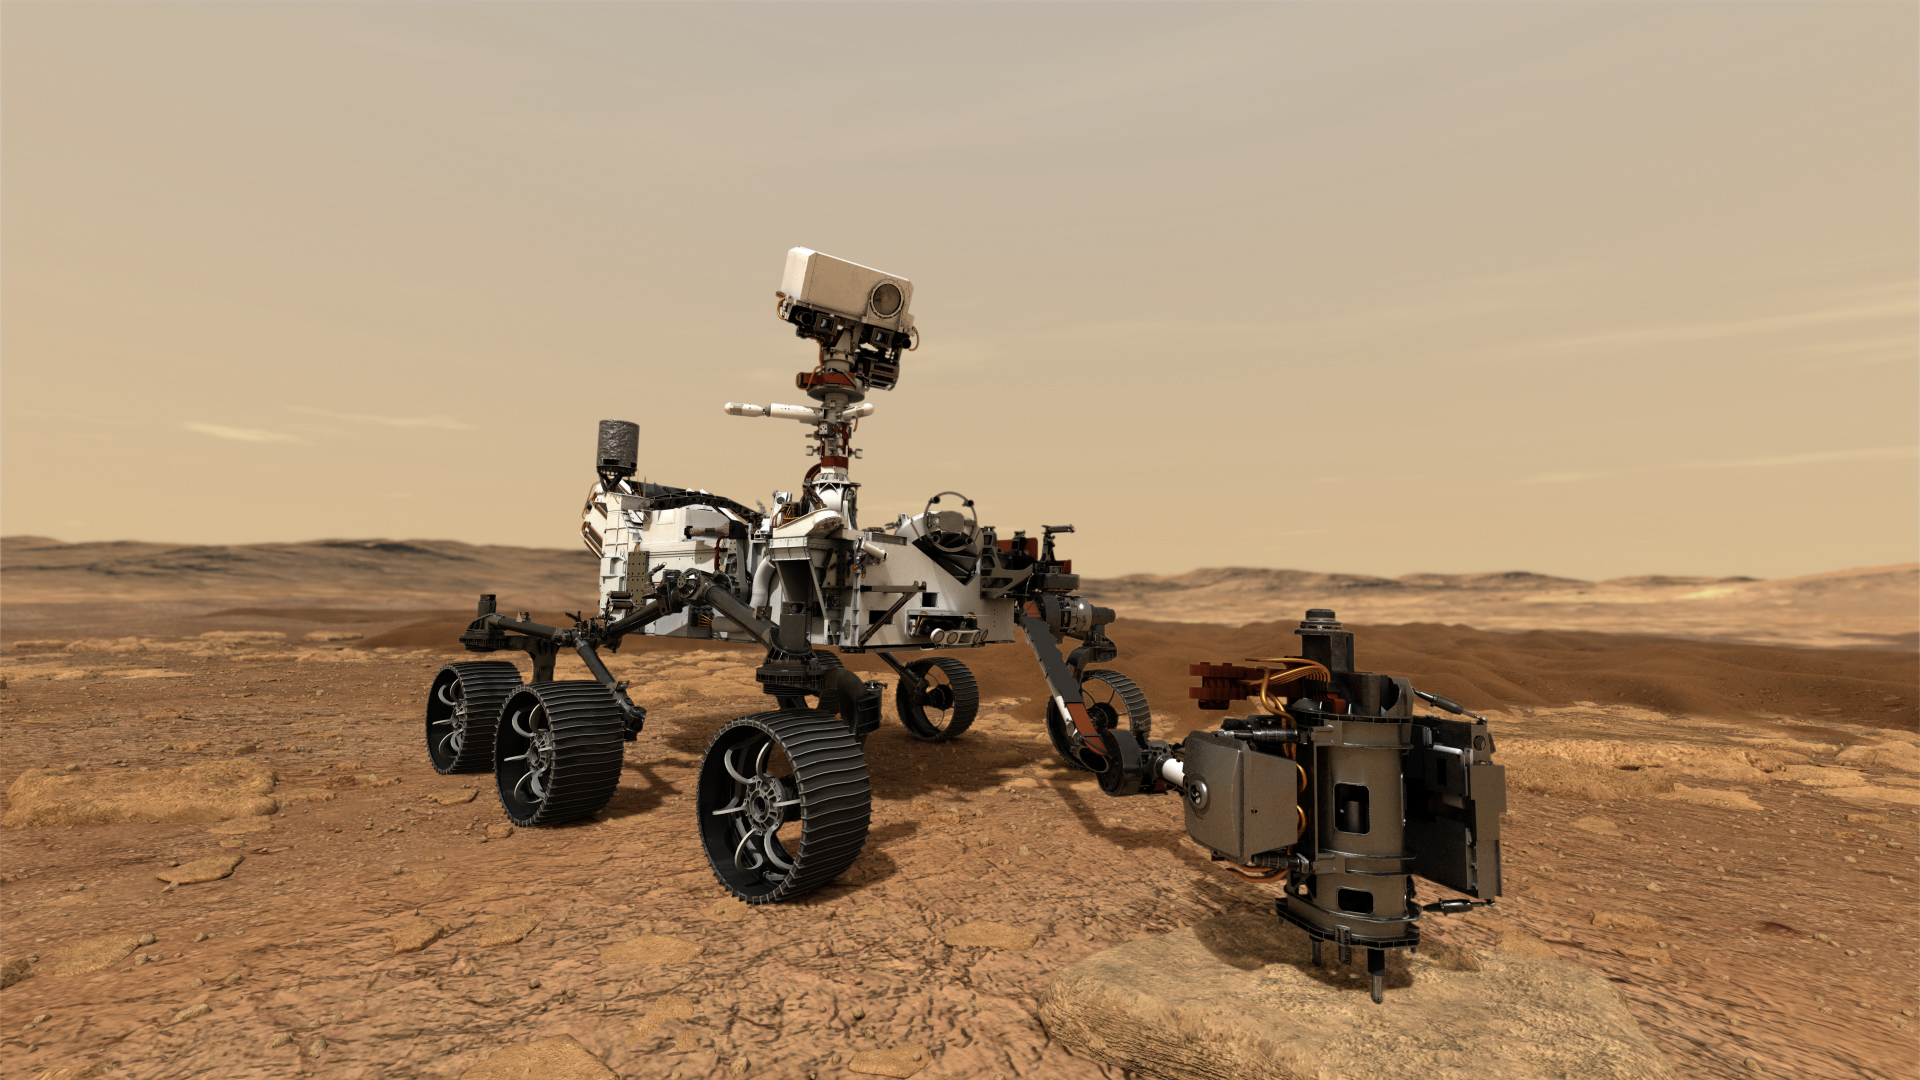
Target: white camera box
{"x": 873, "y": 296}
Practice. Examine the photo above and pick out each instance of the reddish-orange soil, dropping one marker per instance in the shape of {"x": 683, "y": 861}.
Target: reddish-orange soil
{"x": 1726, "y": 830}
{"x": 1784, "y": 936}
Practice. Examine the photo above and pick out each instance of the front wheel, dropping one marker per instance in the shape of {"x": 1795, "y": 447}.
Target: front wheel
{"x": 463, "y": 708}
{"x": 946, "y": 704}
{"x": 784, "y": 801}
{"x": 557, "y": 752}
{"x": 1109, "y": 697}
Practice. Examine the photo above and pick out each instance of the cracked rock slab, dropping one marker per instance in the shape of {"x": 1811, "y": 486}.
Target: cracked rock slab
{"x": 899, "y": 1061}
{"x": 1237, "y": 998}
{"x": 212, "y": 868}
{"x": 557, "y": 1058}
{"x": 651, "y": 949}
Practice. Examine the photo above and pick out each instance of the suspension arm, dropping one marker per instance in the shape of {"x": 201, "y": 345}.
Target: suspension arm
{"x": 634, "y": 620}
{"x": 695, "y": 587}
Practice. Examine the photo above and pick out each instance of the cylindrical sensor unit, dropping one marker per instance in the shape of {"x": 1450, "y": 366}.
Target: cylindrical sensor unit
{"x": 619, "y": 450}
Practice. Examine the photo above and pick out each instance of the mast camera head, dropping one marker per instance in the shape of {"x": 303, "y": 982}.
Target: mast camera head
{"x": 858, "y": 314}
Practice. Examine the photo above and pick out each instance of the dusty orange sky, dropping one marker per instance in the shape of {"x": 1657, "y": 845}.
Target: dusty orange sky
{"x": 1591, "y": 290}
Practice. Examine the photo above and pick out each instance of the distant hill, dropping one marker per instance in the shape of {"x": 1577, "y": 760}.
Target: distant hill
{"x": 1874, "y": 606}
{"x": 400, "y": 573}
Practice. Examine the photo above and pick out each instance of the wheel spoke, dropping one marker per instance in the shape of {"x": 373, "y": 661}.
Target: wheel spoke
{"x": 516, "y": 725}
{"x": 731, "y": 771}
{"x": 760, "y": 763}
{"x": 739, "y": 849}
{"x": 445, "y": 699}
{"x": 768, "y": 844}
{"x": 454, "y": 738}
{"x": 731, "y": 808}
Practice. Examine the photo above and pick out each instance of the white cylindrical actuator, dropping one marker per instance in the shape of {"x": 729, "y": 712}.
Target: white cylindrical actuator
{"x": 778, "y": 411}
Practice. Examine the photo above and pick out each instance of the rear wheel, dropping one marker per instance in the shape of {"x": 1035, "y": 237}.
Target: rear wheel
{"x": 784, "y": 802}
{"x": 945, "y": 706}
{"x": 1110, "y": 698}
{"x": 557, "y": 752}
{"x": 463, "y": 708}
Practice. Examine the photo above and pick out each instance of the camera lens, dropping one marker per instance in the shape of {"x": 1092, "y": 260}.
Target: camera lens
{"x": 885, "y": 300}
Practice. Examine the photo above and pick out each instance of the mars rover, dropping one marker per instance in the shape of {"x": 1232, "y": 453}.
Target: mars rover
{"x": 783, "y": 795}
{"x": 1339, "y": 789}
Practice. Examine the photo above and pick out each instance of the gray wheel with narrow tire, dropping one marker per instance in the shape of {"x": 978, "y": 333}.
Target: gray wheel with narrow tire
{"x": 945, "y": 706}
{"x": 463, "y": 709}
{"x": 557, "y": 752}
{"x": 1110, "y": 697}
{"x": 784, "y": 802}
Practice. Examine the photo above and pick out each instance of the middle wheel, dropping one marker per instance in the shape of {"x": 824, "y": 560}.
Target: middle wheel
{"x": 556, "y": 753}
{"x": 948, "y": 704}
{"x": 784, "y": 802}
{"x": 1109, "y": 697}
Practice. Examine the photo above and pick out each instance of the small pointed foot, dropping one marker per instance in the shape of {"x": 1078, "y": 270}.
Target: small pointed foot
{"x": 1316, "y": 952}
{"x": 1379, "y": 989}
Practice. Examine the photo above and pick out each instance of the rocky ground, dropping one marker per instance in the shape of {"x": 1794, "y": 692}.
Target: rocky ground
{"x": 1750, "y": 887}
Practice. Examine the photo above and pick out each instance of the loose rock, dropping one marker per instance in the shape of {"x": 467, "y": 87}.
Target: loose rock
{"x": 499, "y": 831}
{"x": 192, "y": 1012}
{"x": 455, "y": 798}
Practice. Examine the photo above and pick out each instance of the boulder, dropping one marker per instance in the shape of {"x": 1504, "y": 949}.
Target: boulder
{"x": 1237, "y": 998}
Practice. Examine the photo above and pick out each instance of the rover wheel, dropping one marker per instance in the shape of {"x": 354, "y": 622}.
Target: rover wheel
{"x": 796, "y": 768}
{"x": 557, "y": 751}
{"x": 948, "y": 704}
{"x": 1109, "y": 697}
{"x": 463, "y": 706}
